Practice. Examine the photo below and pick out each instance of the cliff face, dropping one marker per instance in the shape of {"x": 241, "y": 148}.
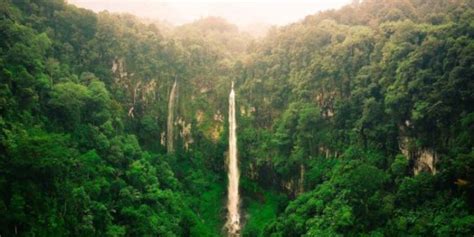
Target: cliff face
{"x": 425, "y": 161}
{"x": 420, "y": 159}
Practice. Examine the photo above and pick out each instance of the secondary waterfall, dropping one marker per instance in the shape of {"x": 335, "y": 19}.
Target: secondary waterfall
{"x": 170, "y": 124}
{"x": 233, "y": 215}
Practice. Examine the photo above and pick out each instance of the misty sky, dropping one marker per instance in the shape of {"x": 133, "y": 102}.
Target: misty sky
{"x": 240, "y": 12}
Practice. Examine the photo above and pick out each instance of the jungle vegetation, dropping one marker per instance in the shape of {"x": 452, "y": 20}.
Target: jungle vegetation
{"x": 351, "y": 122}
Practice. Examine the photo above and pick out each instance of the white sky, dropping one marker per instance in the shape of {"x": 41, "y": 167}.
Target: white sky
{"x": 240, "y": 12}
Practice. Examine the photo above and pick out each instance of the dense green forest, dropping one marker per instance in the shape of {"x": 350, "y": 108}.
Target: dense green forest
{"x": 351, "y": 122}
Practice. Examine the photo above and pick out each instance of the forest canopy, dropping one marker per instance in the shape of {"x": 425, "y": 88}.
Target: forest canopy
{"x": 351, "y": 122}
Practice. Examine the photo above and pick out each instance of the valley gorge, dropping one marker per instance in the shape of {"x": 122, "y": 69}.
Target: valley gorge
{"x": 350, "y": 122}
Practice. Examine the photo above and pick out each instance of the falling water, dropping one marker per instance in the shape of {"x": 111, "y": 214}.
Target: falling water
{"x": 169, "y": 132}
{"x": 233, "y": 216}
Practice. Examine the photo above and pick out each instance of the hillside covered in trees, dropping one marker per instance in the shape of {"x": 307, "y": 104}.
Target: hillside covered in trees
{"x": 351, "y": 122}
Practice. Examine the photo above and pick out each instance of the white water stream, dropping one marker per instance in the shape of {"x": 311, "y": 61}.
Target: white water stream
{"x": 170, "y": 124}
{"x": 233, "y": 216}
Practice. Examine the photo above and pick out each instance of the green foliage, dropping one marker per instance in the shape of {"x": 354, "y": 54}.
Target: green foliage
{"x": 326, "y": 106}
{"x": 343, "y": 93}
{"x": 260, "y": 211}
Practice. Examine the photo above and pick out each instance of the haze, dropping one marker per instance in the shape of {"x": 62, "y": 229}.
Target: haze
{"x": 241, "y": 13}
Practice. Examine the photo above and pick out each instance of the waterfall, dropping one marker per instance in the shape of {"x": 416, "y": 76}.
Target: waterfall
{"x": 233, "y": 216}
{"x": 170, "y": 125}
